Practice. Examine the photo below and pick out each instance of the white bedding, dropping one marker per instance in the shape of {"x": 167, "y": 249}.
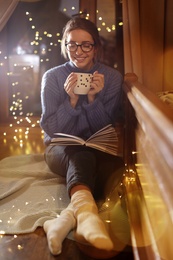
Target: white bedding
{"x": 29, "y": 194}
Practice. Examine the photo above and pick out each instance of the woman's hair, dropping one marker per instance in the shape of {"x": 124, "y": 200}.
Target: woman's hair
{"x": 82, "y": 24}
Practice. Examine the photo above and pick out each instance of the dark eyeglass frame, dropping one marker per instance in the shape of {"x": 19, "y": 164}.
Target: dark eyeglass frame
{"x": 79, "y": 45}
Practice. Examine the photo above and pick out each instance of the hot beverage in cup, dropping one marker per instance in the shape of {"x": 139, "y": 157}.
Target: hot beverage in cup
{"x": 83, "y": 83}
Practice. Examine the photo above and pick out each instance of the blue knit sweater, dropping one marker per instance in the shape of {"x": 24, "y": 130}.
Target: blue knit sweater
{"x": 85, "y": 119}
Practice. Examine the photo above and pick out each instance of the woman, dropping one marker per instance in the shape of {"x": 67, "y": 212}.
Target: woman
{"x": 85, "y": 169}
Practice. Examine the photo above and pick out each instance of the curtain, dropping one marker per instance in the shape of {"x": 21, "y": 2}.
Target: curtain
{"x": 131, "y": 34}
{"x": 6, "y": 9}
{"x": 148, "y": 42}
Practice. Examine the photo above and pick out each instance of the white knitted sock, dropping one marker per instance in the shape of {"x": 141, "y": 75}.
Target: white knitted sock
{"x": 90, "y": 227}
{"x": 57, "y": 229}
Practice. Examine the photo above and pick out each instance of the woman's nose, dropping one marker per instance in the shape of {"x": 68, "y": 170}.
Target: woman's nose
{"x": 79, "y": 49}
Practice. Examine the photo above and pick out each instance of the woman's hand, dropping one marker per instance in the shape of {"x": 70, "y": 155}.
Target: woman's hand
{"x": 69, "y": 85}
{"x": 97, "y": 85}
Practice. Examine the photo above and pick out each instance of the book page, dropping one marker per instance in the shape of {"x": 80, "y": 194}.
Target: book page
{"x": 105, "y": 140}
{"x": 106, "y": 129}
{"x": 67, "y": 137}
{"x": 108, "y": 149}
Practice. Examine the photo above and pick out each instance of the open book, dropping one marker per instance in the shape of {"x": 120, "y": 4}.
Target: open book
{"x": 105, "y": 140}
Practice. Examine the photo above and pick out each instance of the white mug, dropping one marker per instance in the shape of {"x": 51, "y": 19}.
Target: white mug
{"x": 83, "y": 83}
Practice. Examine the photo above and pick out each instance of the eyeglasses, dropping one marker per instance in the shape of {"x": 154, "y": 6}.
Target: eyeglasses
{"x": 85, "y": 46}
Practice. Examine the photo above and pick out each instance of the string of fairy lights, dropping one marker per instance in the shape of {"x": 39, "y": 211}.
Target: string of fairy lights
{"x": 39, "y": 48}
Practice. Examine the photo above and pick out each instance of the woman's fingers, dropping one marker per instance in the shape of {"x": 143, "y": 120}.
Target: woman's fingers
{"x": 97, "y": 83}
{"x": 70, "y": 83}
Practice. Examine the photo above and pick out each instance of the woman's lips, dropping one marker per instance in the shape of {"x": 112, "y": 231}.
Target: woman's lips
{"x": 80, "y": 59}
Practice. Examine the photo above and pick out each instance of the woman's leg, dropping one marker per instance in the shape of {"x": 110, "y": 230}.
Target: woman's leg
{"x": 90, "y": 227}
{"x": 80, "y": 184}
{"x": 57, "y": 159}
{"x": 57, "y": 229}
{"x": 109, "y": 174}
{"x": 109, "y": 171}
{"x": 81, "y": 177}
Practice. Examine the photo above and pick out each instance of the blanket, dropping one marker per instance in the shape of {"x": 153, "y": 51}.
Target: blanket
{"x": 30, "y": 194}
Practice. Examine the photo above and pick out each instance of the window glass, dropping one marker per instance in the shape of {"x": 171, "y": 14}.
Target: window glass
{"x": 109, "y": 23}
{"x": 34, "y": 33}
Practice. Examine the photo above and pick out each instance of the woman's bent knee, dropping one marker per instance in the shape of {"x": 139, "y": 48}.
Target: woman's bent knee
{"x": 55, "y": 158}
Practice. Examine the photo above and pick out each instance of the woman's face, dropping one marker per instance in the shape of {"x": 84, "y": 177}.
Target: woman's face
{"x": 82, "y": 60}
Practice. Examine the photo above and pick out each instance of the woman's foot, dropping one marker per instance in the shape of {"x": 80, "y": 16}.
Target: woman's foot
{"x": 57, "y": 229}
{"x": 90, "y": 227}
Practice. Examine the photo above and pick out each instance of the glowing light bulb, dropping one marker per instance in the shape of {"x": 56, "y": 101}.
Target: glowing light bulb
{"x": 19, "y": 247}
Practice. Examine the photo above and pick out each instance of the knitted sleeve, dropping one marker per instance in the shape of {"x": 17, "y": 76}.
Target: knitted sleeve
{"x": 57, "y": 113}
{"x": 104, "y": 109}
